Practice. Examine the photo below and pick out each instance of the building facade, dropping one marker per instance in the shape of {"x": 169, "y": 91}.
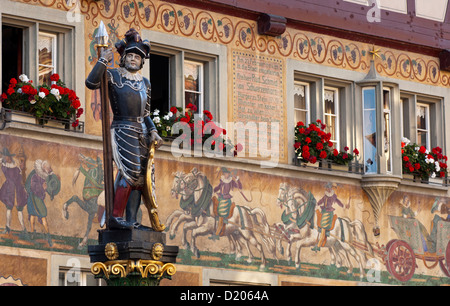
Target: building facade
{"x": 370, "y": 76}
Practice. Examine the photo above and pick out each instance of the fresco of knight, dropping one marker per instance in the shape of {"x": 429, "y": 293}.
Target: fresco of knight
{"x": 132, "y": 130}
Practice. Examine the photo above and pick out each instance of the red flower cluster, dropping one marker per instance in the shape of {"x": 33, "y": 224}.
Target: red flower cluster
{"x": 29, "y": 90}
{"x": 426, "y": 164}
{"x": 54, "y": 77}
{"x": 313, "y": 143}
{"x": 198, "y": 127}
{"x": 43, "y": 101}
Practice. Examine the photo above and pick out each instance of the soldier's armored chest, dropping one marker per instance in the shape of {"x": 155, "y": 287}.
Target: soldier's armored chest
{"x": 128, "y": 97}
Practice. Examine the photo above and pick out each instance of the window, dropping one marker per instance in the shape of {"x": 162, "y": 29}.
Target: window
{"x": 301, "y": 102}
{"x": 370, "y": 130}
{"x": 160, "y": 80}
{"x": 422, "y": 118}
{"x": 372, "y": 142}
{"x": 423, "y": 125}
{"x": 12, "y": 39}
{"x": 38, "y": 49}
{"x": 330, "y": 106}
{"x": 78, "y": 277}
{"x": 216, "y": 277}
{"x": 198, "y": 86}
{"x": 46, "y": 57}
{"x": 193, "y": 85}
{"x": 328, "y": 99}
{"x": 387, "y": 127}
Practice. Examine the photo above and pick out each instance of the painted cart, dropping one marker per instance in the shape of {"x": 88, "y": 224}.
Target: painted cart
{"x": 401, "y": 254}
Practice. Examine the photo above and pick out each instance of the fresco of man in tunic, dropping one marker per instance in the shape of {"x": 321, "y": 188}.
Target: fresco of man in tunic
{"x": 12, "y": 192}
{"x": 223, "y": 206}
{"x": 41, "y": 181}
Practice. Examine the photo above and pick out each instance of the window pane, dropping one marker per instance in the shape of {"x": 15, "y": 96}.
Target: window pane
{"x": 422, "y": 138}
{"x": 192, "y": 76}
{"x": 369, "y": 99}
{"x": 330, "y": 106}
{"x": 192, "y": 97}
{"x": 330, "y": 121}
{"x": 387, "y": 140}
{"x": 369, "y": 130}
{"x": 46, "y": 46}
{"x": 61, "y": 278}
{"x": 91, "y": 280}
{"x": 299, "y": 101}
{"x": 160, "y": 80}
{"x": 386, "y": 100}
{"x": 300, "y": 116}
{"x": 387, "y": 128}
{"x": 422, "y": 115}
{"x": 12, "y": 37}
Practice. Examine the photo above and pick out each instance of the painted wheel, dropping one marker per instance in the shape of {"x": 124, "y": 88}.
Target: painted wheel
{"x": 386, "y": 259}
{"x": 443, "y": 266}
{"x": 401, "y": 262}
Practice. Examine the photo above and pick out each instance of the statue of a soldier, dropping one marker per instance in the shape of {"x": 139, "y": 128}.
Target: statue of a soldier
{"x": 132, "y": 130}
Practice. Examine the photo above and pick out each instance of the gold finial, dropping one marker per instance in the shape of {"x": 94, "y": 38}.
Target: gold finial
{"x": 374, "y": 52}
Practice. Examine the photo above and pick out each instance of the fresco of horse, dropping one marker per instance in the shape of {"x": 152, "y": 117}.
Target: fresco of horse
{"x": 242, "y": 229}
{"x": 300, "y": 230}
{"x": 93, "y": 190}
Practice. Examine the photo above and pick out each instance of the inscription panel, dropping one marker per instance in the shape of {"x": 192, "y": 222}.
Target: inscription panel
{"x": 258, "y": 98}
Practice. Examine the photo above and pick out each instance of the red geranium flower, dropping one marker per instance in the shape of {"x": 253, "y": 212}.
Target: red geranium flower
{"x": 54, "y": 77}
{"x": 319, "y": 146}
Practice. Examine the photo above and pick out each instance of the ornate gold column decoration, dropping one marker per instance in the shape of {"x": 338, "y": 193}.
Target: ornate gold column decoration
{"x": 148, "y": 272}
{"x": 122, "y": 268}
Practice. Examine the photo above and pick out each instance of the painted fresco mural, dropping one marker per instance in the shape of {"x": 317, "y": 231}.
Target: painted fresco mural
{"x": 221, "y": 216}
{"x": 39, "y": 185}
{"x": 226, "y": 217}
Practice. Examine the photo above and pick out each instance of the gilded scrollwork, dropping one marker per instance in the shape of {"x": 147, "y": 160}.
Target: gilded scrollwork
{"x": 122, "y": 268}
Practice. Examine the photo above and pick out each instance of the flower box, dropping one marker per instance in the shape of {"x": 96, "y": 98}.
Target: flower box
{"x": 18, "y": 116}
{"x": 14, "y": 116}
{"x": 413, "y": 177}
{"x": 436, "y": 181}
{"x": 426, "y": 166}
{"x": 313, "y": 145}
{"x": 53, "y": 106}
{"x": 342, "y": 168}
{"x": 201, "y": 128}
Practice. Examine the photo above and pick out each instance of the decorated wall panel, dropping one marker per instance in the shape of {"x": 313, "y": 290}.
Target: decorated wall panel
{"x": 237, "y": 34}
{"x": 227, "y": 216}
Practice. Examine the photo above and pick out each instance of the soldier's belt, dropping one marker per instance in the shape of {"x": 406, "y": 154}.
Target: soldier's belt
{"x": 132, "y": 119}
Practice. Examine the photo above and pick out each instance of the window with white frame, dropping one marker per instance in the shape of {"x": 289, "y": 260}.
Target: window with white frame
{"x": 301, "y": 102}
{"x": 423, "y": 125}
{"x": 316, "y": 97}
{"x": 370, "y": 129}
{"x": 198, "y": 86}
{"x": 193, "y": 85}
{"x": 423, "y": 121}
{"x": 387, "y": 127}
{"x": 46, "y": 56}
{"x": 78, "y": 277}
{"x": 331, "y": 118}
{"x": 32, "y": 47}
